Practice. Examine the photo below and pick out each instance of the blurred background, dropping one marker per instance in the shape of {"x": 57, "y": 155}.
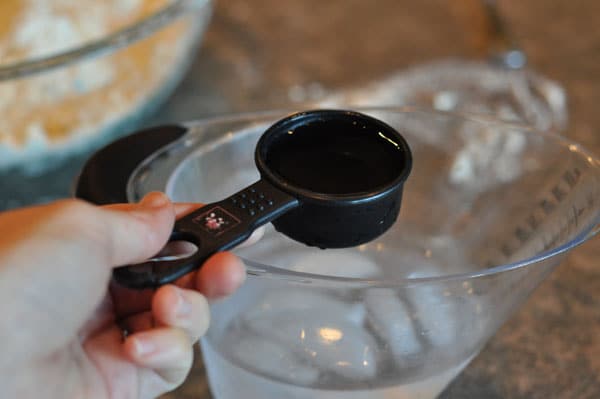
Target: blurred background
{"x": 182, "y": 60}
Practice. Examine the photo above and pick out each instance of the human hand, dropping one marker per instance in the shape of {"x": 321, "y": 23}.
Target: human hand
{"x": 62, "y": 323}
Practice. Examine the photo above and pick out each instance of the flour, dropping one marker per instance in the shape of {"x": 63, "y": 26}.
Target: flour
{"x": 56, "y": 110}
{"x": 41, "y": 27}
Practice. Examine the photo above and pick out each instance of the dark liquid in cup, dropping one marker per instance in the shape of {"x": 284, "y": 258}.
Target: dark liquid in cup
{"x": 340, "y": 157}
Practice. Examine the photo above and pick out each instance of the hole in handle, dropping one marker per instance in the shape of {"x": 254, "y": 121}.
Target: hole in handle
{"x": 175, "y": 250}
{"x": 177, "y": 258}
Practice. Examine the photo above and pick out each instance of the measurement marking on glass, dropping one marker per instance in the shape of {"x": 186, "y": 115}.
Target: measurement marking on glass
{"x": 529, "y": 226}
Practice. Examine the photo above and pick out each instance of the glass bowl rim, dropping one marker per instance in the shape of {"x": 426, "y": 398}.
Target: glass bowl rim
{"x": 104, "y": 45}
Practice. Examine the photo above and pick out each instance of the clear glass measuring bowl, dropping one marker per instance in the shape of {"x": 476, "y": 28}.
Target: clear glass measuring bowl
{"x": 489, "y": 210}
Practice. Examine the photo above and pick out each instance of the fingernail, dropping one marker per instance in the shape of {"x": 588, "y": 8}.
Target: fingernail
{"x": 143, "y": 346}
{"x": 184, "y": 307}
{"x": 155, "y": 200}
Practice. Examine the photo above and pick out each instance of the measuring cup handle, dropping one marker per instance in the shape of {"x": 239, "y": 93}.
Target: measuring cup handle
{"x": 213, "y": 228}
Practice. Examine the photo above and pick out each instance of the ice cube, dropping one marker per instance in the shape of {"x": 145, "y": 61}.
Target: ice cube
{"x": 304, "y": 303}
{"x": 266, "y": 356}
{"x": 339, "y": 263}
{"x": 321, "y": 329}
{"x": 331, "y": 344}
{"x": 437, "y": 314}
{"x": 390, "y": 318}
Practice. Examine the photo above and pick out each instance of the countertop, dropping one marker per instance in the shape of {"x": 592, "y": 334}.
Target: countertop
{"x": 269, "y": 53}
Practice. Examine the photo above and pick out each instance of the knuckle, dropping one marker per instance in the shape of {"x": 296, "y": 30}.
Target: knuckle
{"x": 143, "y": 225}
{"x": 71, "y": 210}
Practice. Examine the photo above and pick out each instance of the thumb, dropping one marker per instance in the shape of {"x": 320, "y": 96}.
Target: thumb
{"x": 136, "y": 232}
{"x": 72, "y": 237}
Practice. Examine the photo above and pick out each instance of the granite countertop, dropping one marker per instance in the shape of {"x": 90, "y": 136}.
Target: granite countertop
{"x": 269, "y": 53}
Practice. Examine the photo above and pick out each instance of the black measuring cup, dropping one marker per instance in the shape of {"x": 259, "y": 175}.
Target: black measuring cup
{"x": 329, "y": 179}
